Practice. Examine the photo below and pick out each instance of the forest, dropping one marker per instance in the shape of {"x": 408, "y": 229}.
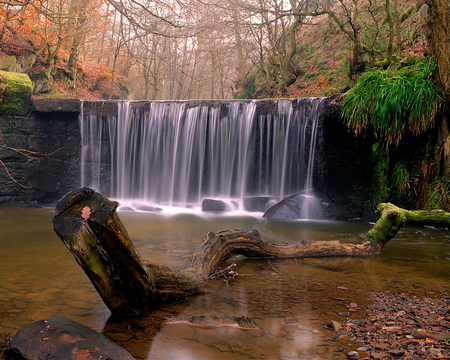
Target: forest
{"x": 384, "y": 65}
{"x": 209, "y": 49}
{"x": 181, "y": 50}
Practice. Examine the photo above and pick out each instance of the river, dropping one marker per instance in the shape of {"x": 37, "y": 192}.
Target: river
{"x": 40, "y": 279}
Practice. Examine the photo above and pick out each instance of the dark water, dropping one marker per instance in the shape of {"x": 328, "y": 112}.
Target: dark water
{"x": 40, "y": 278}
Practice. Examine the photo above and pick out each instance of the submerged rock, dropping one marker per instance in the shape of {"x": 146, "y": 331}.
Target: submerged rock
{"x": 62, "y": 338}
{"x": 213, "y": 321}
{"x": 311, "y": 204}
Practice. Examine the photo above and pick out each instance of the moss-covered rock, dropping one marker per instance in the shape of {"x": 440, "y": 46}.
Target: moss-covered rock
{"x": 15, "y": 93}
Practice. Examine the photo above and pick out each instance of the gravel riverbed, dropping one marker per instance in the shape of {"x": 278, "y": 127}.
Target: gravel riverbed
{"x": 401, "y": 327}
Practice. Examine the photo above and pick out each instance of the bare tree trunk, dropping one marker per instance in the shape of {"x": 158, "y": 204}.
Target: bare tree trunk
{"x": 90, "y": 228}
{"x": 439, "y": 24}
{"x": 77, "y": 8}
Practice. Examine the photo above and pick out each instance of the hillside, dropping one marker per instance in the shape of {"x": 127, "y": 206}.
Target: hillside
{"x": 171, "y": 69}
{"x": 324, "y": 54}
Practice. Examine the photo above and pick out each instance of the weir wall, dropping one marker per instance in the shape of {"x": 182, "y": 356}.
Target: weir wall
{"x": 51, "y": 128}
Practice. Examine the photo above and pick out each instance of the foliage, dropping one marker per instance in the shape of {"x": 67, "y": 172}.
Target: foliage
{"x": 438, "y": 195}
{"x": 247, "y": 88}
{"x": 394, "y": 101}
{"x": 400, "y": 178}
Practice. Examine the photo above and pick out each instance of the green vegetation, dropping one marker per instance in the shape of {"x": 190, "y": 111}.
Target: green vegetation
{"x": 394, "y": 101}
{"x": 438, "y": 197}
{"x": 15, "y": 92}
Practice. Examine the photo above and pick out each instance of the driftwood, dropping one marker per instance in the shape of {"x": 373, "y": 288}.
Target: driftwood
{"x": 90, "y": 228}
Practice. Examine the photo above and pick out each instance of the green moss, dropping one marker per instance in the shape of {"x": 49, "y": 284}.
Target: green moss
{"x": 56, "y": 96}
{"x": 15, "y": 92}
{"x": 392, "y": 218}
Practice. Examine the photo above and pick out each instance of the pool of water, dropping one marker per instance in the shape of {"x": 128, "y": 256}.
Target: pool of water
{"x": 40, "y": 278}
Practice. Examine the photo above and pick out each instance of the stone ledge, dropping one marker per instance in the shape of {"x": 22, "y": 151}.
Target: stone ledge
{"x": 56, "y": 105}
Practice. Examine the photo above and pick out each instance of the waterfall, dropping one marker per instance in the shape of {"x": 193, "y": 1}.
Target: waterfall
{"x": 179, "y": 153}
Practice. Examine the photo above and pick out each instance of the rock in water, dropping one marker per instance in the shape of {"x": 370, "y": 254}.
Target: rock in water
{"x": 62, "y": 338}
{"x": 310, "y": 204}
{"x": 211, "y": 205}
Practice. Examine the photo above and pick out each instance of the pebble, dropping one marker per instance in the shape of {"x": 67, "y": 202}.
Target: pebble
{"x": 334, "y": 325}
{"x": 397, "y": 352}
{"x": 377, "y": 355}
{"x": 353, "y": 355}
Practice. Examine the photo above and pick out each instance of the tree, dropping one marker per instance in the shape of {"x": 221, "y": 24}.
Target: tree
{"x": 439, "y": 44}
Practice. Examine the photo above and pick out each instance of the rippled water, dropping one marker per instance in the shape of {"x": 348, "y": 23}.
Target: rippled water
{"x": 40, "y": 278}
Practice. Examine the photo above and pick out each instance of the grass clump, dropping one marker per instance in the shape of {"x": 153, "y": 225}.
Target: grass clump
{"x": 394, "y": 101}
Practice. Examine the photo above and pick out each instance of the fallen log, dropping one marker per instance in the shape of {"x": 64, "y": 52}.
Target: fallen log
{"x": 90, "y": 228}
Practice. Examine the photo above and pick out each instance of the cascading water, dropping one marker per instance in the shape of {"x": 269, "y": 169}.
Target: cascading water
{"x": 179, "y": 153}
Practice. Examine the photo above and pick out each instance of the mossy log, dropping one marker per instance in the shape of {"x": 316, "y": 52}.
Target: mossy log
{"x": 90, "y": 228}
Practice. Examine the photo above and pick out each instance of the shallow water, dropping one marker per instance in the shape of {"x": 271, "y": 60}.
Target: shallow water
{"x": 40, "y": 278}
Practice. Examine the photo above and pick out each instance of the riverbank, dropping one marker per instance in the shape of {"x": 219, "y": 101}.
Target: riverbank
{"x": 401, "y": 327}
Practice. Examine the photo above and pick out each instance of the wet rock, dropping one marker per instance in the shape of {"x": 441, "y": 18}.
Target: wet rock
{"x": 377, "y": 355}
{"x": 391, "y": 328}
{"x": 334, "y": 325}
{"x": 61, "y": 338}
{"x": 126, "y": 208}
{"x": 353, "y": 355}
{"x": 397, "y": 352}
{"x": 212, "y": 321}
{"x": 149, "y": 208}
{"x": 210, "y": 205}
{"x": 291, "y": 321}
{"x": 305, "y": 205}
{"x": 257, "y": 203}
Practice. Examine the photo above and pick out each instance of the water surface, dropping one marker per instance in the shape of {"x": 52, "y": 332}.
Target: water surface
{"x": 40, "y": 278}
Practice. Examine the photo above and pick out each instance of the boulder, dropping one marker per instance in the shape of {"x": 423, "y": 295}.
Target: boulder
{"x": 311, "y": 204}
{"x": 15, "y": 93}
{"x": 20, "y": 64}
{"x": 61, "y": 338}
{"x": 211, "y": 205}
{"x": 8, "y": 63}
{"x": 257, "y": 203}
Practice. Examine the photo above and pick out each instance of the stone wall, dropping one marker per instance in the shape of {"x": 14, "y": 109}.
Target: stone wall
{"x": 50, "y": 129}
